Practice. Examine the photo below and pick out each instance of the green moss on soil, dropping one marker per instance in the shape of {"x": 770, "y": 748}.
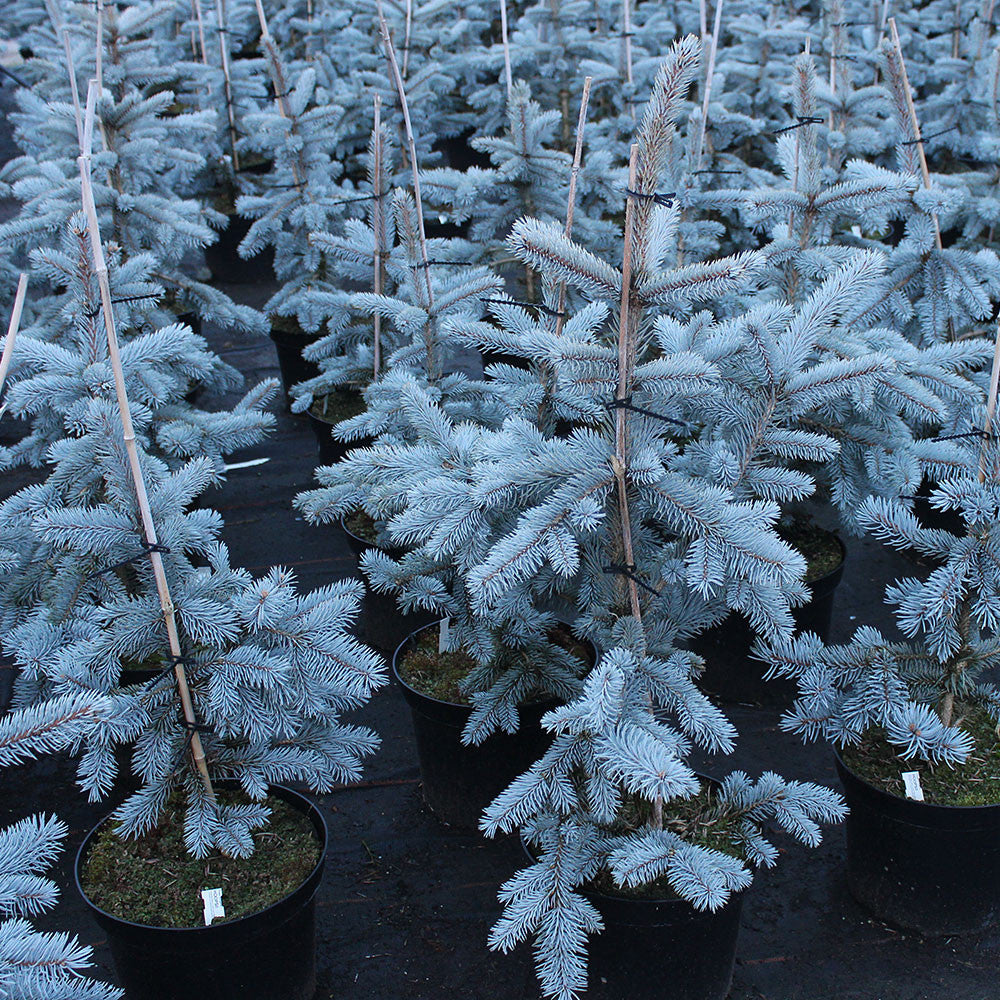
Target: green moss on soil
{"x": 439, "y": 675}
{"x": 820, "y": 548}
{"x": 974, "y": 783}
{"x": 154, "y": 881}
{"x": 362, "y": 525}
{"x": 338, "y": 405}
{"x": 287, "y": 324}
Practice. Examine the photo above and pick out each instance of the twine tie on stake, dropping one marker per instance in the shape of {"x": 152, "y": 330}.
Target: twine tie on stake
{"x": 528, "y": 305}
{"x": 625, "y": 403}
{"x": 666, "y": 198}
{"x": 628, "y": 570}
{"x": 800, "y": 120}
{"x": 147, "y": 549}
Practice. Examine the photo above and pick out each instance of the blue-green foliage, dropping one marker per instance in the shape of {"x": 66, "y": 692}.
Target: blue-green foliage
{"x": 914, "y": 690}
{"x": 36, "y": 965}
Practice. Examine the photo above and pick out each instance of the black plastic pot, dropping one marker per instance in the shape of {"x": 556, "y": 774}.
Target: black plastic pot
{"x": 8, "y": 671}
{"x": 923, "y": 867}
{"x": 459, "y": 781}
{"x": 294, "y": 368}
{"x": 383, "y": 625}
{"x": 331, "y": 450}
{"x": 225, "y": 263}
{"x": 270, "y": 955}
{"x": 732, "y": 675}
{"x": 653, "y": 949}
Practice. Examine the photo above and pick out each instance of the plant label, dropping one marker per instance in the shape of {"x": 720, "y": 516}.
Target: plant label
{"x": 444, "y": 635}
{"x": 911, "y": 782}
{"x": 212, "y": 899}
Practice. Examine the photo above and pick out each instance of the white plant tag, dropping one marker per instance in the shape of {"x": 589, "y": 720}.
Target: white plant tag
{"x": 444, "y": 635}
{"x": 212, "y": 898}
{"x": 911, "y": 782}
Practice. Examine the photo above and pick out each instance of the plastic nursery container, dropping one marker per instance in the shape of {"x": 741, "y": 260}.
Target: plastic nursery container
{"x": 733, "y": 675}
{"x": 8, "y": 671}
{"x": 654, "y": 949}
{"x": 225, "y": 263}
{"x": 923, "y": 867}
{"x": 458, "y": 781}
{"x": 331, "y": 450}
{"x": 294, "y": 368}
{"x": 270, "y": 955}
{"x": 384, "y": 626}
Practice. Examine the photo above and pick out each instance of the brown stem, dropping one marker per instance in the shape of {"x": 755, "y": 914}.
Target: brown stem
{"x": 377, "y": 219}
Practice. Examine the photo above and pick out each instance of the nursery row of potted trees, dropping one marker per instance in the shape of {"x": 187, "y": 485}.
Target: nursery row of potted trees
{"x": 562, "y": 534}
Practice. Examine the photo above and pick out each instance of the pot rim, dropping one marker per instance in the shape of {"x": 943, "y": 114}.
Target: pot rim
{"x": 454, "y": 704}
{"x": 941, "y": 808}
{"x": 282, "y": 791}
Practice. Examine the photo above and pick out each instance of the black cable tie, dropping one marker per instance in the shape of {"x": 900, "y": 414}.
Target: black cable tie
{"x": 977, "y": 433}
{"x": 628, "y": 571}
{"x": 850, "y": 24}
{"x": 710, "y": 170}
{"x": 172, "y": 662}
{"x": 626, "y": 404}
{"x": 147, "y": 549}
{"x": 844, "y": 58}
{"x": 452, "y": 263}
{"x": 800, "y": 120}
{"x": 94, "y": 313}
{"x": 933, "y": 135}
{"x": 364, "y": 197}
{"x": 195, "y": 727}
{"x": 14, "y": 77}
{"x": 529, "y": 305}
{"x": 666, "y": 199}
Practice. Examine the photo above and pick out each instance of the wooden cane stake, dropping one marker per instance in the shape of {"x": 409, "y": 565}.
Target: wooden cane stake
{"x": 138, "y": 480}
{"x": 12, "y": 328}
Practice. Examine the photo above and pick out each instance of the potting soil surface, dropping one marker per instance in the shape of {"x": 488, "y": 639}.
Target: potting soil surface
{"x": 406, "y": 904}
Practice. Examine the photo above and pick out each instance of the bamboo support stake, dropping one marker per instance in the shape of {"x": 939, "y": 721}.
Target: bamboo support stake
{"x": 407, "y": 34}
{"x": 506, "y": 49}
{"x": 991, "y": 408}
{"x": 626, "y": 361}
{"x": 702, "y": 19}
{"x": 627, "y": 39}
{"x": 128, "y": 434}
{"x": 278, "y": 80}
{"x": 99, "y": 66}
{"x": 713, "y": 48}
{"x": 571, "y": 200}
{"x": 915, "y": 123}
{"x": 196, "y": 6}
{"x": 12, "y": 328}
{"x": 624, "y": 381}
{"x": 984, "y": 28}
{"x": 377, "y": 217}
{"x": 220, "y": 17}
{"x": 74, "y": 90}
{"x": 404, "y": 106}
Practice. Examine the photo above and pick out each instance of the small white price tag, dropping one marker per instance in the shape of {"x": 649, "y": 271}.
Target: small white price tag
{"x": 911, "y": 782}
{"x": 444, "y": 635}
{"x": 212, "y": 898}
